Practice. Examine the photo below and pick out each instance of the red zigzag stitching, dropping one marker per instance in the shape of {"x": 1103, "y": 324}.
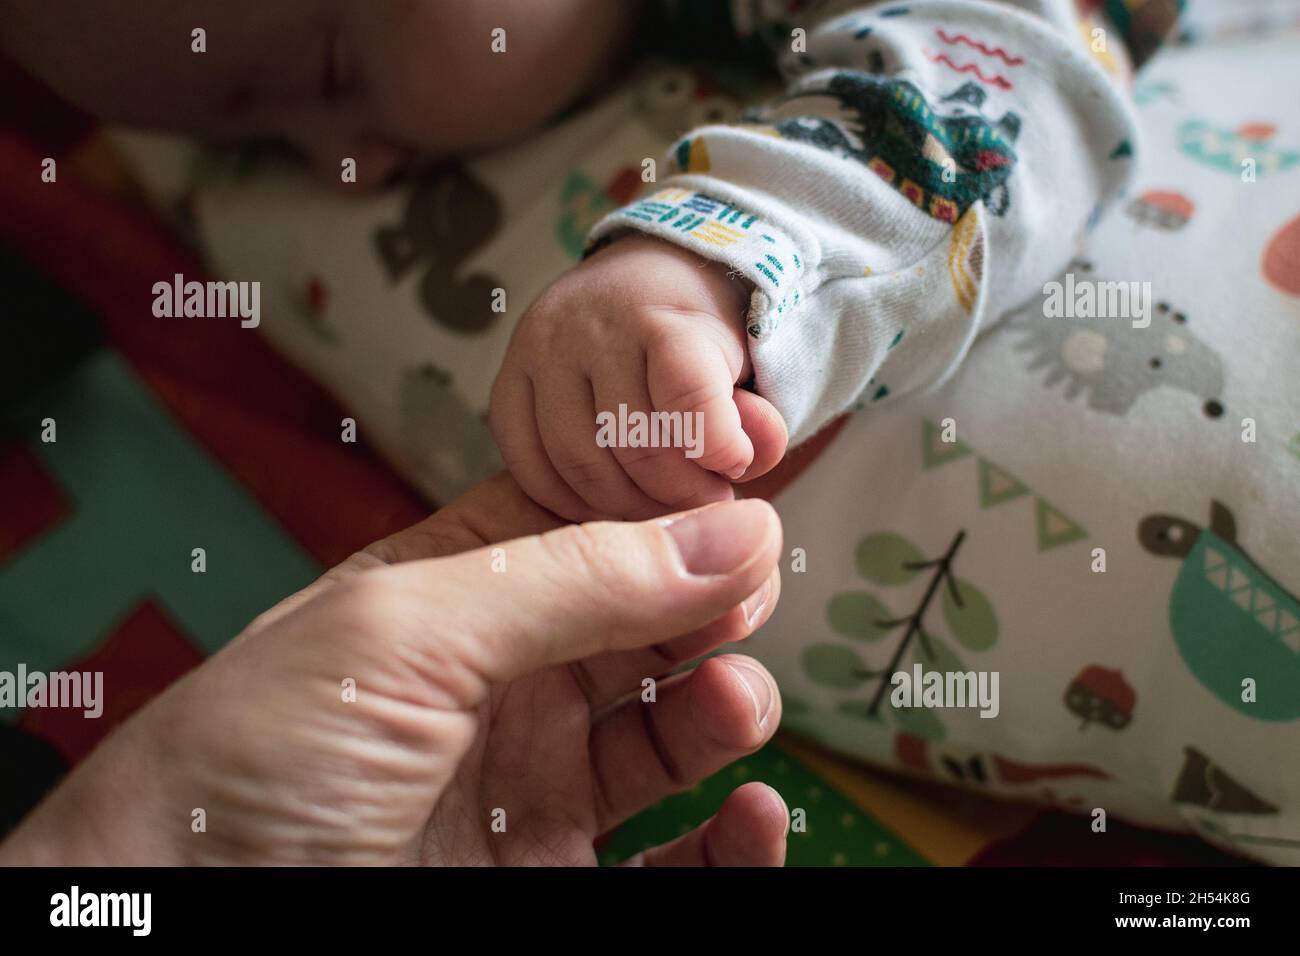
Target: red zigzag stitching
{"x": 996, "y": 51}
{"x": 997, "y": 79}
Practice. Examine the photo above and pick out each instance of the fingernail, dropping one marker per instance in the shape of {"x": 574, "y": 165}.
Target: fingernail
{"x": 754, "y": 605}
{"x": 718, "y": 538}
{"x": 757, "y": 686}
{"x": 737, "y": 472}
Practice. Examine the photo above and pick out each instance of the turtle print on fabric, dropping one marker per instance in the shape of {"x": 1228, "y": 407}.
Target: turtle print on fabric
{"x": 1230, "y": 620}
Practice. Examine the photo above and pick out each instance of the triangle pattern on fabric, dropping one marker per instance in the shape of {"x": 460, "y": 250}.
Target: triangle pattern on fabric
{"x": 1288, "y": 628}
{"x": 1287, "y": 622}
{"x": 1054, "y": 528}
{"x": 935, "y": 451}
{"x": 1238, "y": 580}
{"x": 996, "y": 486}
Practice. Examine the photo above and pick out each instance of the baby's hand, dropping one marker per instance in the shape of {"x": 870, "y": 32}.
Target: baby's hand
{"x": 654, "y": 328}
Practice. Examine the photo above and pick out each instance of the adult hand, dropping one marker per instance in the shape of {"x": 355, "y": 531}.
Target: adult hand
{"x": 433, "y": 700}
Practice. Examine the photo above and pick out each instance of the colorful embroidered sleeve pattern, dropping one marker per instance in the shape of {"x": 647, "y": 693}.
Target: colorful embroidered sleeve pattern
{"x": 719, "y": 230}
{"x": 929, "y": 167}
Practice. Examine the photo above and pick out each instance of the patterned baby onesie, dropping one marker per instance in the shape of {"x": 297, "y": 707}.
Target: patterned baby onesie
{"x": 929, "y": 167}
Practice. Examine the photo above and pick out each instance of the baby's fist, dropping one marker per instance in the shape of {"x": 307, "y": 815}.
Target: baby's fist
{"x": 618, "y": 396}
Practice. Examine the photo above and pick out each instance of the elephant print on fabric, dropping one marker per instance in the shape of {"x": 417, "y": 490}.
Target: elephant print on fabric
{"x": 1114, "y": 363}
{"x": 1231, "y": 621}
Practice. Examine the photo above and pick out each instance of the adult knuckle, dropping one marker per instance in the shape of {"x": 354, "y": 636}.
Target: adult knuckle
{"x": 580, "y": 545}
{"x": 367, "y": 603}
{"x": 596, "y": 553}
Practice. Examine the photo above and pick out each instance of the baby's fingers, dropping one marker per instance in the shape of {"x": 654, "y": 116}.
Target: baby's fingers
{"x": 513, "y": 418}
{"x": 766, "y": 430}
{"x": 568, "y": 428}
{"x": 659, "y": 469}
{"x": 690, "y": 374}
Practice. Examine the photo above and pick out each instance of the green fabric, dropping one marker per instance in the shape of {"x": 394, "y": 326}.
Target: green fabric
{"x": 837, "y": 832}
{"x": 144, "y": 494}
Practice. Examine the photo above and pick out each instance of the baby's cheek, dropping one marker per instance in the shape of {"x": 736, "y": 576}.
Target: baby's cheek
{"x": 449, "y": 76}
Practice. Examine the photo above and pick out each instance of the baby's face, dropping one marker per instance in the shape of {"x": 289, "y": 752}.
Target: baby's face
{"x": 380, "y": 81}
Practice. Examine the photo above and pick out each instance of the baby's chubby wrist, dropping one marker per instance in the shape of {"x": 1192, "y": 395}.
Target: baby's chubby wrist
{"x": 677, "y": 278}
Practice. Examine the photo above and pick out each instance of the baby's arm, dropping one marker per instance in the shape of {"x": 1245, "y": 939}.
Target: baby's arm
{"x": 933, "y": 163}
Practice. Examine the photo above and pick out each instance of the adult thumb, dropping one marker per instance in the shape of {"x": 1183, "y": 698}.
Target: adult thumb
{"x": 515, "y": 607}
